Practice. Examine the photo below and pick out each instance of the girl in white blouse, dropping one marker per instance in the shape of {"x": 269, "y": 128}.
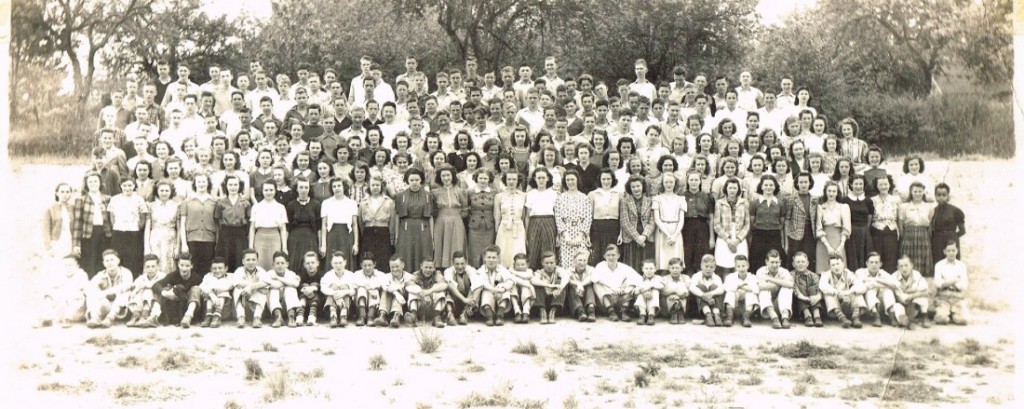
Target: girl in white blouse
{"x": 268, "y": 222}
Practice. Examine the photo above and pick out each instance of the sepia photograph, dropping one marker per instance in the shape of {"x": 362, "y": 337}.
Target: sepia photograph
{"x": 542, "y": 204}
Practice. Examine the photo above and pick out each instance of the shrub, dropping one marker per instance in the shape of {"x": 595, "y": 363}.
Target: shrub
{"x": 429, "y": 341}
{"x": 803, "y": 349}
{"x": 525, "y": 348}
{"x": 551, "y": 375}
{"x": 751, "y": 380}
{"x": 377, "y": 362}
{"x": 268, "y": 347}
{"x": 651, "y": 368}
{"x": 278, "y": 386}
{"x": 253, "y": 370}
{"x": 641, "y": 379}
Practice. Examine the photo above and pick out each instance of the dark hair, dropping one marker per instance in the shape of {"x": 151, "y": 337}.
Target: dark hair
{"x": 732, "y": 181}
{"x": 942, "y": 185}
{"x": 216, "y": 260}
{"x": 413, "y": 171}
{"x": 573, "y": 173}
{"x": 609, "y": 172}
{"x": 533, "y": 178}
{"x": 760, "y": 184}
{"x": 835, "y": 172}
{"x": 741, "y": 257}
{"x": 445, "y": 168}
{"x": 667, "y": 158}
{"x": 209, "y": 183}
{"x": 633, "y": 179}
{"x": 906, "y": 163}
{"x": 888, "y": 177}
{"x": 280, "y": 254}
{"x": 773, "y": 253}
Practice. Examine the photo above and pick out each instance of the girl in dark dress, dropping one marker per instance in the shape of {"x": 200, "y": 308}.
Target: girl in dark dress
{"x": 636, "y": 216}
{"x": 947, "y": 223}
{"x": 861, "y": 209}
{"x": 698, "y": 237}
{"x": 303, "y": 224}
{"x": 414, "y": 211}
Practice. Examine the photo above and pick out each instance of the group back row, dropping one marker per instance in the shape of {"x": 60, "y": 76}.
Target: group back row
{"x": 426, "y": 167}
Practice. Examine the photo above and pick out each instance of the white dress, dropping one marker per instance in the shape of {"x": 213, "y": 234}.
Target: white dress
{"x": 671, "y": 208}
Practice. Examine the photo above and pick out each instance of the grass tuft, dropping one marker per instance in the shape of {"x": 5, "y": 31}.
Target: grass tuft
{"x": 429, "y": 340}
{"x": 551, "y": 375}
{"x": 751, "y": 380}
{"x": 278, "y": 386}
{"x": 105, "y": 340}
{"x": 807, "y": 378}
{"x": 377, "y": 362}
{"x": 253, "y": 370}
{"x": 268, "y": 347}
{"x": 525, "y": 348}
{"x": 129, "y": 361}
{"x": 799, "y": 389}
{"x": 804, "y": 349}
{"x": 501, "y": 396}
{"x": 641, "y": 379}
{"x": 712, "y": 378}
{"x": 232, "y": 404}
{"x": 898, "y": 372}
{"x": 570, "y": 402}
{"x": 651, "y": 368}
{"x": 822, "y": 363}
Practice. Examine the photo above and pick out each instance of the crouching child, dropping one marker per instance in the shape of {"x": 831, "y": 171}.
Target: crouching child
{"x": 216, "y": 288}
{"x": 676, "y": 291}
{"x": 337, "y": 292}
{"x": 144, "y": 303}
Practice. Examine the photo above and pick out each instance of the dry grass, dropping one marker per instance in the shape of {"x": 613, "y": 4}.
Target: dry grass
{"x": 525, "y": 348}
{"x": 551, "y": 375}
{"x": 429, "y": 340}
{"x": 570, "y": 402}
{"x": 278, "y": 385}
{"x": 915, "y": 391}
{"x": 377, "y": 362}
{"x": 84, "y": 386}
{"x": 751, "y": 380}
{"x": 268, "y": 347}
{"x": 500, "y": 396}
{"x": 253, "y": 370}
{"x": 805, "y": 349}
{"x": 135, "y": 393}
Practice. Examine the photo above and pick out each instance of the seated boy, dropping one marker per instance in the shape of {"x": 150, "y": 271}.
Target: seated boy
{"x": 879, "y": 295}
{"x": 65, "y": 294}
{"x": 741, "y": 292}
{"x": 216, "y": 288}
{"x": 581, "y": 297}
{"x": 809, "y": 299}
{"x": 283, "y": 291}
{"x": 647, "y": 293}
{"x": 673, "y": 296}
{"x": 366, "y": 282}
{"x": 549, "y": 282}
{"x": 144, "y": 303}
{"x": 776, "y": 290}
{"x": 179, "y": 293}
{"x": 309, "y": 289}
{"x": 336, "y": 290}
{"x": 108, "y": 292}
{"x": 843, "y": 291}
{"x": 251, "y": 289}
{"x": 707, "y": 287}
{"x": 524, "y": 292}
{"x": 496, "y": 297}
{"x": 912, "y": 295}
{"x": 464, "y": 289}
{"x": 950, "y": 285}
{"x": 427, "y": 288}
{"x": 614, "y": 283}
{"x": 393, "y": 293}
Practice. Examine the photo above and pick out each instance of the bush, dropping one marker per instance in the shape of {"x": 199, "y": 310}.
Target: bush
{"x": 429, "y": 341}
{"x": 253, "y": 370}
{"x": 948, "y": 124}
{"x": 525, "y": 348}
{"x": 551, "y": 375}
{"x": 377, "y": 362}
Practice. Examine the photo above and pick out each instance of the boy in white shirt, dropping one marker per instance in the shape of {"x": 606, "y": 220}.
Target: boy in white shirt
{"x": 65, "y": 296}
{"x": 550, "y": 282}
{"x": 496, "y": 298}
{"x": 524, "y": 293}
{"x": 250, "y": 289}
{"x": 338, "y": 293}
{"x": 283, "y": 292}
{"x": 741, "y": 291}
{"x": 843, "y": 291}
{"x": 216, "y": 288}
{"x": 367, "y": 283}
{"x": 950, "y": 284}
{"x": 912, "y": 296}
{"x": 775, "y": 286}
{"x": 143, "y": 304}
{"x": 614, "y": 283}
{"x": 394, "y": 294}
{"x": 707, "y": 287}
{"x": 880, "y": 286}
{"x": 676, "y": 291}
{"x": 647, "y": 293}
{"x": 108, "y": 292}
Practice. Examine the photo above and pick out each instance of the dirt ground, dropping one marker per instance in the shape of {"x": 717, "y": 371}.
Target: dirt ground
{"x": 567, "y": 365}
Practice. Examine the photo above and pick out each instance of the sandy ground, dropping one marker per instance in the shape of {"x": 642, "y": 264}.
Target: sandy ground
{"x": 595, "y": 365}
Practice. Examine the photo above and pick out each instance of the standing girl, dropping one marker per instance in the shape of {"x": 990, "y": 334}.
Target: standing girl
{"x": 162, "y": 227}
{"x": 198, "y": 227}
{"x": 303, "y": 224}
{"x": 573, "y": 217}
{"x": 90, "y": 235}
{"x": 451, "y": 205}
{"x": 669, "y": 216}
{"x": 339, "y": 216}
{"x": 767, "y": 214}
{"x": 698, "y": 237}
{"x": 636, "y": 218}
{"x": 57, "y": 222}
{"x": 831, "y": 226}
{"x": 481, "y": 216}
{"x": 861, "y": 209}
{"x": 915, "y": 219}
{"x": 509, "y": 208}
{"x": 268, "y": 226}
{"x": 732, "y": 223}
{"x": 605, "y": 228}
{"x": 414, "y": 211}
{"x": 232, "y": 215}
{"x": 885, "y": 223}
{"x": 540, "y": 216}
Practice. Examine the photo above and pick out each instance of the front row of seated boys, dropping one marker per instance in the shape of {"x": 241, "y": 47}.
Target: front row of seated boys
{"x": 494, "y": 293}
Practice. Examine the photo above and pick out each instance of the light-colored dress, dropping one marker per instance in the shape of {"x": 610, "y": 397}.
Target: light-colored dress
{"x": 668, "y": 209}
{"x": 511, "y": 233}
{"x": 452, "y": 204}
{"x": 163, "y": 234}
{"x": 833, "y": 223}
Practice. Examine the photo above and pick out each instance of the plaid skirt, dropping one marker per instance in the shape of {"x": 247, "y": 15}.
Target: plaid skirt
{"x": 541, "y": 237}
{"x": 915, "y": 242}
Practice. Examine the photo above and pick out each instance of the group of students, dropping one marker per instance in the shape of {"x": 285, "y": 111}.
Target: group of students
{"x": 666, "y": 174}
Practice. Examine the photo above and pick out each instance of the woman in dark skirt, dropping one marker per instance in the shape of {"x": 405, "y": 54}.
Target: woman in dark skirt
{"x": 303, "y": 224}
{"x": 767, "y": 217}
{"x": 128, "y": 212}
{"x": 885, "y": 223}
{"x": 540, "y": 217}
{"x": 861, "y": 209}
{"x": 376, "y": 213}
{"x": 481, "y": 216}
{"x": 947, "y": 223}
{"x": 697, "y": 233}
{"x": 415, "y": 213}
{"x": 605, "y": 228}
{"x": 800, "y": 216}
{"x": 232, "y": 215}
{"x": 636, "y": 218}
{"x": 339, "y": 216}
{"x": 915, "y": 219}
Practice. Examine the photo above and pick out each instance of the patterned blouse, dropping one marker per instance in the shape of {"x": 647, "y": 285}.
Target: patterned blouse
{"x": 573, "y": 215}
{"x": 732, "y": 220}
{"x": 886, "y": 212}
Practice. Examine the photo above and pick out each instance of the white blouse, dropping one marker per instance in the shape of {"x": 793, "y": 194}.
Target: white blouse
{"x": 268, "y": 215}
{"x": 336, "y": 211}
{"x": 541, "y": 203}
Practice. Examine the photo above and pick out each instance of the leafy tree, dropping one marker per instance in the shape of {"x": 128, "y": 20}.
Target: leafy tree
{"x": 986, "y": 44}
{"x": 179, "y": 31}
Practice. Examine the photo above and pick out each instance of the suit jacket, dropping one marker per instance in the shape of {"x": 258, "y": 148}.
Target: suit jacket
{"x": 53, "y": 220}
{"x": 630, "y": 213}
{"x": 82, "y": 219}
{"x": 797, "y": 215}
